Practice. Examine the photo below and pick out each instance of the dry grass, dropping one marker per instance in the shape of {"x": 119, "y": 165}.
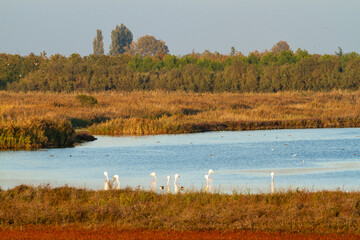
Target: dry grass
{"x": 33, "y": 134}
{"x": 158, "y": 112}
{"x": 292, "y": 212}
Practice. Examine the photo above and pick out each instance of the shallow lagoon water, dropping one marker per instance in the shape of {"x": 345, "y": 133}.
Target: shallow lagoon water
{"x": 242, "y": 161}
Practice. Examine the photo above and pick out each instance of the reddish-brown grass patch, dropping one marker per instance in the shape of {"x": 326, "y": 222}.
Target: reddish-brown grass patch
{"x": 55, "y": 232}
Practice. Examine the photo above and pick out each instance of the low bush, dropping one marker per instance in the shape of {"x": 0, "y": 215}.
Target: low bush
{"x": 86, "y": 100}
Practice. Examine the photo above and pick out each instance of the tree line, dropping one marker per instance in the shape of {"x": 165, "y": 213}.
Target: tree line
{"x": 122, "y": 43}
{"x": 268, "y": 71}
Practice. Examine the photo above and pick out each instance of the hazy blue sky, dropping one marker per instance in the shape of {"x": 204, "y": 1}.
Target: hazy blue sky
{"x": 69, "y": 26}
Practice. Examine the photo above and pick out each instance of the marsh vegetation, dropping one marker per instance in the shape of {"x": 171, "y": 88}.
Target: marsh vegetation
{"x": 298, "y": 211}
{"x": 159, "y": 112}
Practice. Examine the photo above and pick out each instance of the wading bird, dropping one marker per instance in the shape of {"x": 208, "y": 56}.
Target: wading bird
{"x": 153, "y": 182}
{"x": 210, "y": 173}
{"x": 168, "y": 184}
{"x": 176, "y": 183}
{"x": 107, "y": 182}
{"x": 207, "y": 183}
{"x": 210, "y": 180}
{"x": 272, "y": 182}
{"x": 116, "y": 182}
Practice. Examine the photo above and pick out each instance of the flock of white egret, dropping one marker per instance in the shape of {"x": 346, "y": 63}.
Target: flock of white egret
{"x": 115, "y": 184}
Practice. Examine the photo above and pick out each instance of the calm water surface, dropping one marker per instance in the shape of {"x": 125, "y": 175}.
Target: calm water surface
{"x": 242, "y": 161}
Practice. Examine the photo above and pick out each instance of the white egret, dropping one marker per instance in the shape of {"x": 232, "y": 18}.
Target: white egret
{"x": 207, "y": 183}
{"x": 272, "y": 182}
{"x": 116, "y": 182}
{"x": 210, "y": 180}
{"x": 168, "y": 184}
{"x": 176, "y": 183}
{"x": 210, "y": 172}
{"x": 107, "y": 182}
{"x": 153, "y": 182}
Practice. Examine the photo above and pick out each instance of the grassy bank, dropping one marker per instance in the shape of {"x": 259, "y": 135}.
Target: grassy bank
{"x": 158, "y": 112}
{"x": 292, "y": 211}
{"x": 33, "y": 134}
{"x": 138, "y": 126}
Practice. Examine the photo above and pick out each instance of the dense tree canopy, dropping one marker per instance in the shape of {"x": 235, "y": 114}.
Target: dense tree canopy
{"x": 206, "y": 72}
{"x": 280, "y": 46}
{"x": 149, "y": 46}
{"x": 121, "y": 38}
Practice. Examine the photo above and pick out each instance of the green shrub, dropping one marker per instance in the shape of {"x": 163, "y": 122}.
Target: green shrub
{"x": 86, "y": 100}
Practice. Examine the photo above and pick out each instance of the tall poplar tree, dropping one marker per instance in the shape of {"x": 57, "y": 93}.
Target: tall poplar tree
{"x": 233, "y": 51}
{"x": 98, "y": 44}
{"x": 121, "y": 38}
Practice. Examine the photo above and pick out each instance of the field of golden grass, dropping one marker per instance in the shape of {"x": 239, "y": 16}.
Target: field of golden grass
{"x": 158, "y": 112}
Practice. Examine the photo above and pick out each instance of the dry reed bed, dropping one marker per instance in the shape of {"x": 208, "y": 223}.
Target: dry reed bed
{"x": 155, "y": 104}
{"x": 182, "y": 108}
{"x": 157, "y": 112}
{"x": 33, "y": 134}
{"x": 292, "y": 211}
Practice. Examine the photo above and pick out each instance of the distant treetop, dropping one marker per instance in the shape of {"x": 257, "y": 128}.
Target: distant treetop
{"x": 98, "y": 44}
{"x": 149, "y": 46}
{"x": 121, "y": 38}
{"x": 280, "y": 46}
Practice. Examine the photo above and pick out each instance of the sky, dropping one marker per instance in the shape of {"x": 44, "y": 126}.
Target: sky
{"x": 69, "y": 26}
